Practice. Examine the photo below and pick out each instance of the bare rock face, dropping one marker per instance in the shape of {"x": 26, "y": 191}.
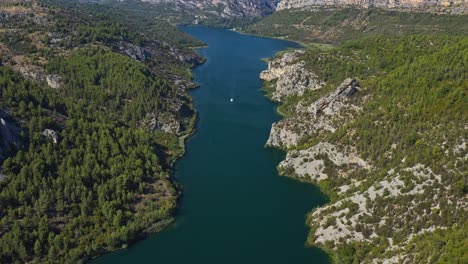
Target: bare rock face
{"x": 289, "y": 4}
{"x": 323, "y": 115}
{"x": 333, "y": 102}
{"x": 344, "y": 224}
{"x": 54, "y": 81}
{"x": 32, "y": 72}
{"x": 291, "y": 76}
{"x": 165, "y": 122}
{"x": 224, "y": 8}
{"x": 51, "y": 134}
{"x": 133, "y": 51}
{"x": 38, "y": 75}
{"x": 310, "y": 162}
{"x": 10, "y": 10}
{"x": 286, "y": 133}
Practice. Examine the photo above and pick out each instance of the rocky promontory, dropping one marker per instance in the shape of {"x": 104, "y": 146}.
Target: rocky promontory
{"x": 287, "y": 77}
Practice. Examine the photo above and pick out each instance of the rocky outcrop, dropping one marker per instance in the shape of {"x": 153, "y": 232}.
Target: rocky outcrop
{"x": 165, "y": 122}
{"x": 133, "y": 51}
{"x": 54, "y": 81}
{"x": 311, "y": 163}
{"x": 32, "y": 72}
{"x": 287, "y": 132}
{"x": 322, "y": 115}
{"x": 334, "y": 102}
{"x": 38, "y": 75}
{"x": 289, "y": 4}
{"x": 51, "y": 135}
{"x": 290, "y": 76}
{"x": 224, "y": 8}
{"x": 348, "y": 219}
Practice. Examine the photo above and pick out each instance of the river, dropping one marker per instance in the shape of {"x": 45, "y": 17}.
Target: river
{"x": 235, "y": 208}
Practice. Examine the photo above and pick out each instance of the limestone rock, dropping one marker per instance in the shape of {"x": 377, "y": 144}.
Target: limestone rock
{"x": 133, "y": 51}
{"x": 32, "y": 72}
{"x": 310, "y": 162}
{"x": 54, "y": 81}
{"x": 289, "y": 4}
{"x": 223, "y": 8}
{"x": 332, "y": 103}
{"x": 323, "y": 115}
{"x": 291, "y": 76}
{"x": 286, "y": 133}
{"x": 391, "y": 187}
{"x": 51, "y": 134}
{"x": 165, "y": 122}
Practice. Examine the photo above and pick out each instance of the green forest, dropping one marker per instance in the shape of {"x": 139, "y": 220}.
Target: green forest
{"x": 75, "y": 198}
{"x": 337, "y": 26}
{"x": 87, "y": 175}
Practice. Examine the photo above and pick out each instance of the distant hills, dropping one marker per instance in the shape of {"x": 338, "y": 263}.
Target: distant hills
{"x": 453, "y": 6}
{"x": 202, "y": 10}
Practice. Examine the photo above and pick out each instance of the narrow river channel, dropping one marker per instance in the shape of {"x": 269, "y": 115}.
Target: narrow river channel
{"x": 235, "y": 208}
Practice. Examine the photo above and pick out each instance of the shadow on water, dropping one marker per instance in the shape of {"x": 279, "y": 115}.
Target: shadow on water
{"x": 235, "y": 207}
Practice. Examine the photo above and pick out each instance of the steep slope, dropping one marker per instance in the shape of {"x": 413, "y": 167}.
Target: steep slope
{"x": 226, "y": 13}
{"x": 224, "y": 8}
{"x": 423, "y": 5}
{"x": 381, "y": 125}
{"x": 93, "y": 108}
{"x": 338, "y": 25}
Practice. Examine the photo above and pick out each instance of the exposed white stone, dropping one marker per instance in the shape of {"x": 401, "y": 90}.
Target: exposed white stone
{"x": 54, "y": 81}
{"x": 165, "y": 122}
{"x": 317, "y": 117}
{"x": 307, "y": 163}
{"x": 392, "y": 183}
{"x": 51, "y": 134}
{"x": 290, "y": 4}
{"x": 291, "y": 76}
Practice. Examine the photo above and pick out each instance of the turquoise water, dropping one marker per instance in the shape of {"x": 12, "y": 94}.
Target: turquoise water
{"x": 235, "y": 208}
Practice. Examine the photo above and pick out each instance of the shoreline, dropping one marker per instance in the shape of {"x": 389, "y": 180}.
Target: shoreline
{"x": 162, "y": 224}
{"x": 321, "y": 186}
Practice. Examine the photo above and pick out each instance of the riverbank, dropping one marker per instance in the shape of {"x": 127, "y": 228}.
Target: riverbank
{"x": 342, "y": 132}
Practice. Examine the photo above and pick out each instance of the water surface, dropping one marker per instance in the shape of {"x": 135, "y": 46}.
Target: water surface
{"x": 235, "y": 207}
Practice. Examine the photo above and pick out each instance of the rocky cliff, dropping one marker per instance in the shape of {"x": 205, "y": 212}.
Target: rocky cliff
{"x": 288, "y": 77}
{"x": 289, "y": 4}
{"x": 224, "y": 8}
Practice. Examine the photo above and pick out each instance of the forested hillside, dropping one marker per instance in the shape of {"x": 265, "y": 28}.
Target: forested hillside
{"x": 219, "y": 13}
{"x": 380, "y": 123}
{"x": 93, "y": 106}
{"x": 338, "y": 25}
